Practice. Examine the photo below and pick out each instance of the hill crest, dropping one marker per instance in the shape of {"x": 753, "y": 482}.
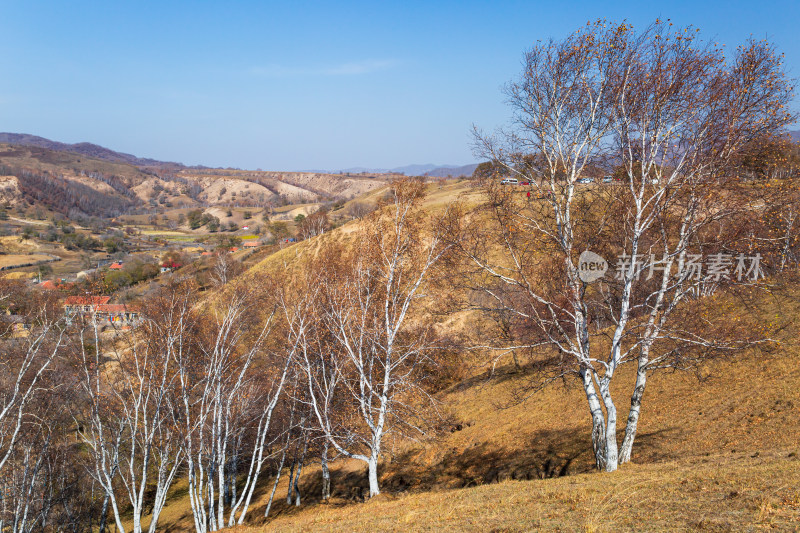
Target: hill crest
{"x": 87, "y": 149}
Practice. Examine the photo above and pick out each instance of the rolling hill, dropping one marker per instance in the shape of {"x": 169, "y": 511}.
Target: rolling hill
{"x": 716, "y": 451}
{"x": 85, "y": 179}
{"x": 84, "y": 148}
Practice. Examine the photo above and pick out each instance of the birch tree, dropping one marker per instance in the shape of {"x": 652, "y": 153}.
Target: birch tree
{"x": 24, "y": 361}
{"x": 314, "y": 224}
{"x": 671, "y": 113}
{"x": 370, "y": 366}
{"x": 773, "y": 164}
{"x": 37, "y": 492}
{"x": 129, "y": 380}
{"x": 30, "y": 346}
{"x": 230, "y": 384}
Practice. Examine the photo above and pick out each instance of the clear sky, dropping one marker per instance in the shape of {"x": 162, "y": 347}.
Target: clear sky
{"x": 302, "y": 85}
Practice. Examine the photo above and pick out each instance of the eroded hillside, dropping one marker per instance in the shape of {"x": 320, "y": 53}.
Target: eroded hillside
{"x": 64, "y": 181}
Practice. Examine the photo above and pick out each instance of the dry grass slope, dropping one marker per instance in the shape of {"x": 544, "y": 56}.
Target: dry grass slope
{"x": 717, "y": 493}
{"x": 718, "y": 448}
{"x": 716, "y": 452}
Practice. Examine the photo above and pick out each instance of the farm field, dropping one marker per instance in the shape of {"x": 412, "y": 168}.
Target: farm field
{"x": 14, "y": 261}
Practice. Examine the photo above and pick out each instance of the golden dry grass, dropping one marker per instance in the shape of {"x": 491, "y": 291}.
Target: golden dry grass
{"x": 19, "y": 275}
{"x": 11, "y": 261}
{"x": 717, "y": 448}
{"x": 733, "y": 492}
{"x": 15, "y": 245}
{"x": 718, "y": 454}
{"x": 437, "y": 198}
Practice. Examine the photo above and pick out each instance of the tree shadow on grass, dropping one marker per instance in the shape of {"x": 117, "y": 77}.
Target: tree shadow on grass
{"x": 546, "y": 454}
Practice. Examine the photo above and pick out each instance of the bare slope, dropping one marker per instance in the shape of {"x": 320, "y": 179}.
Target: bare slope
{"x": 717, "y": 448}
{"x": 715, "y": 452}
{"x": 94, "y": 183}
{"x": 725, "y": 492}
{"x": 302, "y": 186}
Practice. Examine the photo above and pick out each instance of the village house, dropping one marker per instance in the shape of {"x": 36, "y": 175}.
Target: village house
{"x": 169, "y": 266}
{"x": 116, "y": 314}
{"x": 97, "y": 307}
{"x": 54, "y": 285}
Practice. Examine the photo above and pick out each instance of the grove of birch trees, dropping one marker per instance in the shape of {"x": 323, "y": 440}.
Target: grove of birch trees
{"x": 333, "y": 355}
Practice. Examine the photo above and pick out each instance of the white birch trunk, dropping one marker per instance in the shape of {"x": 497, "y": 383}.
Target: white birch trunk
{"x": 633, "y": 415}
{"x": 326, "y": 473}
{"x": 372, "y": 470}
{"x": 598, "y": 419}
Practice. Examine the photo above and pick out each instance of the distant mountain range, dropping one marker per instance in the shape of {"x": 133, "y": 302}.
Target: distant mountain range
{"x": 415, "y": 170}
{"x": 87, "y": 149}
{"x": 443, "y": 172}
{"x": 106, "y": 154}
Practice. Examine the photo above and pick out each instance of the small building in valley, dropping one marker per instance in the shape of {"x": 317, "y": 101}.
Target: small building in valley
{"x": 170, "y": 266}
{"x": 99, "y": 308}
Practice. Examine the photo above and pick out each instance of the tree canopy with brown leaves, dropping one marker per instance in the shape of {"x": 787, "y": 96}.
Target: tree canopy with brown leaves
{"x": 672, "y": 114}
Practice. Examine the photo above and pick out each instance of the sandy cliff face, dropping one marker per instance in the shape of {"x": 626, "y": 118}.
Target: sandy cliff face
{"x": 332, "y": 184}
{"x": 9, "y": 190}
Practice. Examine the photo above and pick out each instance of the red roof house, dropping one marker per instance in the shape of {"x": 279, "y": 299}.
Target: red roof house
{"x": 86, "y": 300}
{"x": 169, "y": 266}
{"x": 98, "y": 306}
{"x": 50, "y": 285}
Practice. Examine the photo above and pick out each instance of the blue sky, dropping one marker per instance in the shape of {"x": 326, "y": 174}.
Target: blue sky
{"x": 302, "y": 85}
